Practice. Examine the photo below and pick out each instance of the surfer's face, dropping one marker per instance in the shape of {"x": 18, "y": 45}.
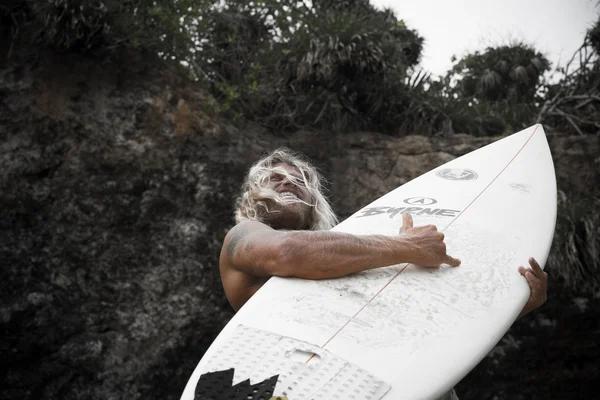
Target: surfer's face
{"x": 281, "y": 184}
{"x": 289, "y": 213}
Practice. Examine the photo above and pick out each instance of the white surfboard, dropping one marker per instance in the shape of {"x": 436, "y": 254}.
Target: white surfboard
{"x": 404, "y": 332}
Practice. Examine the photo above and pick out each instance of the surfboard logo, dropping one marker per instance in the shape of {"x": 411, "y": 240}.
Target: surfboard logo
{"x": 422, "y": 201}
{"x": 520, "y": 187}
{"x": 457, "y": 174}
{"x": 420, "y": 211}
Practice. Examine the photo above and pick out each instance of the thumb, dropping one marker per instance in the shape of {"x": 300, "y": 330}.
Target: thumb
{"x": 407, "y": 222}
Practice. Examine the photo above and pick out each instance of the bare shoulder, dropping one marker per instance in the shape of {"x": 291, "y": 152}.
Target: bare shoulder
{"x": 251, "y": 247}
{"x": 246, "y": 260}
{"x": 239, "y": 233}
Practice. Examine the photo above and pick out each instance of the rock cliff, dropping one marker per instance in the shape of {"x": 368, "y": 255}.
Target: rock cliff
{"x": 116, "y": 189}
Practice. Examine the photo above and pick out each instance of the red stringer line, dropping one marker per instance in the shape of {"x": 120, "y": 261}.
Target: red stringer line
{"x": 406, "y": 265}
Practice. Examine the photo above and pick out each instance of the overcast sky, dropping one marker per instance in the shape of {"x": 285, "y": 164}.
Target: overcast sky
{"x": 555, "y": 27}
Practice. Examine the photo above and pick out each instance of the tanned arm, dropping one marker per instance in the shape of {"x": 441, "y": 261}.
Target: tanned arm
{"x": 261, "y": 251}
{"x": 253, "y": 252}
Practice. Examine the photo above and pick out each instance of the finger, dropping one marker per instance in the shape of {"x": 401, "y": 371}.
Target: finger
{"x": 407, "y": 221}
{"x": 526, "y": 273}
{"x": 538, "y": 292}
{"x": 536, "y": 268}
{"x": 534, "y": 283}
{"x": 455, "y": 262}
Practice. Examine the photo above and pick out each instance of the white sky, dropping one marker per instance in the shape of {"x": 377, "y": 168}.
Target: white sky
{"x": 554, "y": 27}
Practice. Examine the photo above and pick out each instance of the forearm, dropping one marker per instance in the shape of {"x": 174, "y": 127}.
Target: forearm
{"x": 324, "y": 255}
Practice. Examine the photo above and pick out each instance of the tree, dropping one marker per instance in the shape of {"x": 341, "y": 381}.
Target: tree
{"x": 495, "y": 91}
{"x": 331, "y": 65}
{"x": 573, "y": 104}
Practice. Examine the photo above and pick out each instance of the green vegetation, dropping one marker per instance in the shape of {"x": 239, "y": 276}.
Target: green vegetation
{"x": 331, "y": 65}
{"x": 496, "y": 91}
{"x": 575, "y": 255}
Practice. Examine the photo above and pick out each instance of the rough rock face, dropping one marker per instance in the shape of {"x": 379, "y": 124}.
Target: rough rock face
{"x": 116, "y": 190}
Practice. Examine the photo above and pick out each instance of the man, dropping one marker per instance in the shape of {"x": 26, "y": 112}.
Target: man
{"x": 282, "y": 230}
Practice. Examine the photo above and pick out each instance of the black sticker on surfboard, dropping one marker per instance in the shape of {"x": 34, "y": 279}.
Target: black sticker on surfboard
{"x": 218, "y": 386}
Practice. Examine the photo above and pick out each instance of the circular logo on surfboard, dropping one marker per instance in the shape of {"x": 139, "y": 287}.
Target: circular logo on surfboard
{"x": 422, "y": 201}
{"x": 457, "y": 174}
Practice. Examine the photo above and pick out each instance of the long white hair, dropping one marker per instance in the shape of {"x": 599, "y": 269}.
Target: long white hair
{"x": 255, "y": 191}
